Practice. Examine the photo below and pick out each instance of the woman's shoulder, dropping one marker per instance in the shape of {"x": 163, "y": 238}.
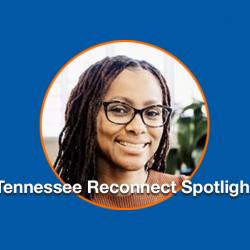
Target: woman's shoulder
{"x": 162, "y": 178}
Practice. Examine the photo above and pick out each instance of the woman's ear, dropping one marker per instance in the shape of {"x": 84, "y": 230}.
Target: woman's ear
{"x": 150, "y": 163}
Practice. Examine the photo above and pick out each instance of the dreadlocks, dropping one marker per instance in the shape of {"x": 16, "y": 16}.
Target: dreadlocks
{"x": 76, "y": 160}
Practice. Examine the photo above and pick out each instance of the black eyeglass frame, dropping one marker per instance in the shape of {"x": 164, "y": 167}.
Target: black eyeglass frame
{"x": 137, "y": 111}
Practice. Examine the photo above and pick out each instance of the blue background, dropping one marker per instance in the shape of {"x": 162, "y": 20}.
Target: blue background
{"x": 38, "y": 38}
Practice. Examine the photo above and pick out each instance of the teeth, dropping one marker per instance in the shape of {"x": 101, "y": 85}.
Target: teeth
{"x": 132, "y": 145}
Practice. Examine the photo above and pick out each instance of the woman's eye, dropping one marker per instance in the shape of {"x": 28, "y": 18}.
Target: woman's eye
{"x": 153, "y": 113}
{"x": 119, "y": 110}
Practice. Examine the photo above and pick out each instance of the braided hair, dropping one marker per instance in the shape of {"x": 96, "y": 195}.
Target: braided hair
{"x": 76, "y": 159}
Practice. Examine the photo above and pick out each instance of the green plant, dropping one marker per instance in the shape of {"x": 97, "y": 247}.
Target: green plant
{"x": 191, "y": 137}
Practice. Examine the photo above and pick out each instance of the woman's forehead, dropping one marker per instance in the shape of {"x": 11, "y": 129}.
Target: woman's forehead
{"x": 137, "y": 86}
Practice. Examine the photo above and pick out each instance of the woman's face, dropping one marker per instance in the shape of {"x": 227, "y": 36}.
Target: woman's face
{"x": 129, "y": 147}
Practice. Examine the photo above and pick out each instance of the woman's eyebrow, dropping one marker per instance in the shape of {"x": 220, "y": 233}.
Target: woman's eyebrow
{"x": 152, "y": 102}
{"x": 131, "y": 102}
{"x": 122, "y": 98}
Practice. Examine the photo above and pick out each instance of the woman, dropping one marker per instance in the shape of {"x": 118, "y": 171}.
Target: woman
{"x": 117, "y": 130}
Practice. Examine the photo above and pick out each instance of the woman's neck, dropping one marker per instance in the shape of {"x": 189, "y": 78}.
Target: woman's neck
{"x": 109, "y": 174}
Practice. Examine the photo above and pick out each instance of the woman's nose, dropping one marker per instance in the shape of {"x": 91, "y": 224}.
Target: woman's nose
{"x": 136, "y": 125}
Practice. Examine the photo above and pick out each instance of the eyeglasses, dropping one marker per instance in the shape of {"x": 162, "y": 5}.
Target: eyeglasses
{"x": 122, "y": 114}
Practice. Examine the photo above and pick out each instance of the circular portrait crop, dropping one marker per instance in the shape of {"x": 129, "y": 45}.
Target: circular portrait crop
{"x": 127, "y": 121}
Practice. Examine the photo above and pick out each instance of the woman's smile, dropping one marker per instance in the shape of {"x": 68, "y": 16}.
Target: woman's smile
{"x": 132, "y": 147}
{"x": 132, "y": 144}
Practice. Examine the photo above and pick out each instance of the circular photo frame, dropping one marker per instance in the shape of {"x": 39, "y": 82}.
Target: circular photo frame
{"x": 126, "y": 120}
